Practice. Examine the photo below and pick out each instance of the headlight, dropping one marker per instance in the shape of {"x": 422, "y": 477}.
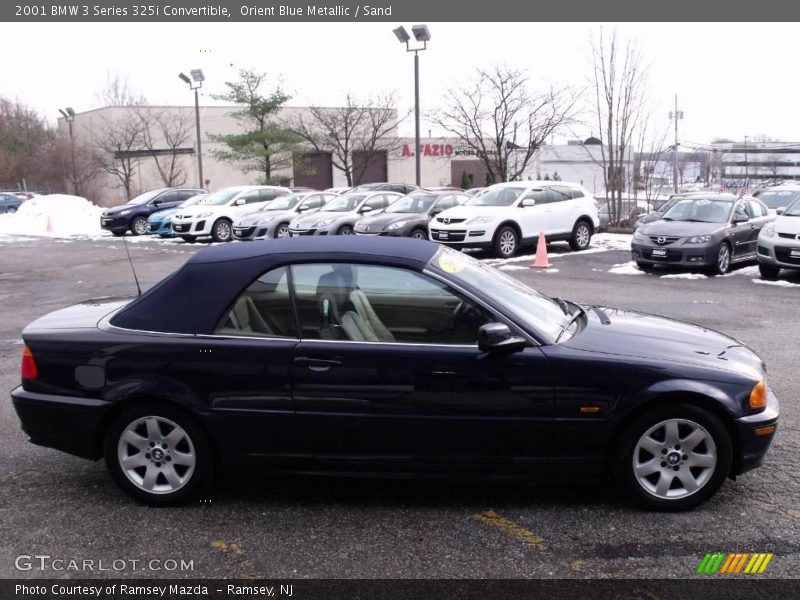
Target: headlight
{"x": 758, "y": 396}
{"x": 396, "y": 225}
{"x": 768, "y": 230}
{"x": 638, "y": 235}
{"x": 200, "y": 216}
{"x": 124, "y": 212}
{"x": 699, "y": 239}
{"x": 480, "y": 220}
{"x": 323, "y": 223}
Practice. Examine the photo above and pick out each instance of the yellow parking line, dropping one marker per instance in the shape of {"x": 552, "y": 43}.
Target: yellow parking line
{"x": 526, "y": 536}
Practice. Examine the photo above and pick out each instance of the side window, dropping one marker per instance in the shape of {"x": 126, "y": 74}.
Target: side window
{"x": 541, "y": 196}
{"x": 756, "y": 209}
{"x": 741, "y": 211}
{"x": 186, "y": 194}
{"x": 382, "y": 304}
{"x": 559, "y": 193}
{"x": 267, "y": 195}
{"x": 446, "y": 202}
{"x": 575, "y": 193}
{"x": 377, "y": 202}
{"x": 263, "y": 310}
{"x": 312, "y": 202}
{"x": 166, "y": 197}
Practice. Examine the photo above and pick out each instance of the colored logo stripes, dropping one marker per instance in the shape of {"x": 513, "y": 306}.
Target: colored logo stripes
{"x": 734, "y": 562}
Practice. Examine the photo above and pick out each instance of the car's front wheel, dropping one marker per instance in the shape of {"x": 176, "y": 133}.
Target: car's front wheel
{"x": 581, "y": 236}
{"x": 768, "y": 271}
{"x": 723, "y": 262}
{"x": 158, "y": 454}
{"x": 419, "y": 234}
{"x": 506, "y": 242}
{"x": 139, "y": 226}
{"x": 345, "y": 230}
{"x": 221, "y": 231}
{"x": 282, "y": 230}
{"x": 673, "y": 457}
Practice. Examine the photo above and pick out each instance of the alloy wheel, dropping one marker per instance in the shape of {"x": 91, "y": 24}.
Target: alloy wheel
{"x": 156, "y": 455}
{"x": 582, "y": 235}
{"x": 674, "y": 459}
{"x": 223, "y": 231}
{"x": 419, "y": 235}
{"x": 139, "y": 226}
{"x": 346, "y": 230}
{"x": 282, "y": 231}
{"x": 508, "y": 242}
{"x": 723, "y": 259}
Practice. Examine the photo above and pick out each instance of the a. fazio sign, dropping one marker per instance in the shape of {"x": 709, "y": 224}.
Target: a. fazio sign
{"x": 433, "y": 150}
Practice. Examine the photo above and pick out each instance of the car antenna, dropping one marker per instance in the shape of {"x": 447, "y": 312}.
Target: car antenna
{"x": 130, "y": 260}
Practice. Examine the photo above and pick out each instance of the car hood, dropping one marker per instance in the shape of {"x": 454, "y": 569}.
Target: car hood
{"x": 267, "y": 215}
{"x": 787, "y": 225}
{"x": 162, "y": 215}
{"x": 308, "y": 221}
{"x": 679, "y": 228}
{"x": 637, "y": 335}
{"x": 114, "y": 210}
{"x": 193, "y": 211}
{"x": 379, "y": 222}
{"x": 470, "y": 212}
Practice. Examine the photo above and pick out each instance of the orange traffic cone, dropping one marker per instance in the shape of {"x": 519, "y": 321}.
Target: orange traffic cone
{"x": 541, "y": 254}
{"x": 49, "y": 225}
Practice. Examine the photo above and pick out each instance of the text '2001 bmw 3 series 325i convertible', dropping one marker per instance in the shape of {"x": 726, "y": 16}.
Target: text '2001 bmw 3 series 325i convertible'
{"x": 388, "y": 356}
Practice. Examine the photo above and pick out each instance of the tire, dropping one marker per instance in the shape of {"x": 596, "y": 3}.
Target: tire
{"x": 139, "y": 226}
{"x": 666, "y": 432}
{"x": 506, "y": 242}
{"x": 187, "y": 462}
{"x": 581, "y": 236}
{"x": 189, "y": 238}
{"x": 282, "y": 231}
{"x": 721, "y": 266}
{"x": 419, "y": 234}
{"x": 769, "y": 272}
{"x": 643, "y": 266}
{"x": 345, "y": 230}
{"x": 118, "y": 233}
{"x": 221, "y": 230}
{"x": 11, "y": 210}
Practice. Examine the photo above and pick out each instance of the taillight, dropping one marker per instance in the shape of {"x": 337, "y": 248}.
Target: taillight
{"x": 29, "y": 369}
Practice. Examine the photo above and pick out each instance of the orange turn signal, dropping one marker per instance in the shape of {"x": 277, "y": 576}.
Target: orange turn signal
{"x": 758, "y": 396}
{"x": 590, "y": 409}
{"x": 762, "y": 431}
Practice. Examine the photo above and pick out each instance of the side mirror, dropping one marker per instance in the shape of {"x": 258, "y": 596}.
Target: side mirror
{"x": 497, "y": 337}
{"x": 239, "y": 202}
{"x": 365, "y": 209}
{"x": 156, "y": 202}
{"x": 528, "y": 202}
{"x": 780, "y": 210}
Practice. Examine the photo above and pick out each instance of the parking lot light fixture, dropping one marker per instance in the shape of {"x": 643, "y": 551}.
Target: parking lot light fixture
{"x": 195, "y": 83}
{"x": 69, "y": 117}
{"x": 423, "y": 35}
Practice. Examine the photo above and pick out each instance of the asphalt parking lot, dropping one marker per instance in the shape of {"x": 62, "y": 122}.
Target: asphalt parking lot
{"x": 254, "y": 525}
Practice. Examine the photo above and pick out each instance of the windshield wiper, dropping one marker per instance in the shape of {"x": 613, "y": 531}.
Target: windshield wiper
{"x": 667, "y": 219}
{"x": 574, "y": 318}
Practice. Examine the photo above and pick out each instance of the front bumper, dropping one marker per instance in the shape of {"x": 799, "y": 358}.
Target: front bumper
{"x": 753, "y": 447}
{"x": 319, "y": 231}
{"x": 162, "y": 228}
{"x": 192, "y": 227}
{"x": 64, "y": 423}
{"x": 459, "y": 235}
{"x": 779, "y": 251}
{"x": 251, "y": 232}
{"x": 115, "y": 223}
{"x": 684, "y": 255}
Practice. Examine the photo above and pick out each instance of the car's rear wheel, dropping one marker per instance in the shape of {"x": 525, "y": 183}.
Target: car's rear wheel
{"x": 158, "y": 454}
{"x": 221, "y": 231}
{"x": 674, "y": 457}
{"x": 139, "y": 226}
{"x": 419, "y": 234}
{"x": 189, "y": 238}
{"x": 506, "y": 242}
{"x": 768, "y": 271}
{"x": 723, "y": 260}
{"x": 282, "y": 230}
{"x": 345, "y": 230}
{"x": 581, "y": 236}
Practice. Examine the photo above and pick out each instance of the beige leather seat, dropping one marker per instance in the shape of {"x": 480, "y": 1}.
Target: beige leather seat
{"x": 245, "y": 317}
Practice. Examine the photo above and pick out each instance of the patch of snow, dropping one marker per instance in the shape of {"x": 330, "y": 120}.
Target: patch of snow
{"x": 628, "y": 268}
{"x": 67, "y": 216}
{"x": 684, "y": 276}
{"x": 513, "y": 268}
{"x": 746, "y": 271}
{"x": 778, "y": 283}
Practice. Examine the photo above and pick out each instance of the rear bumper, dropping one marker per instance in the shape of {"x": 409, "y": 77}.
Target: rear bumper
{"x": 754, "y": 447}
{"x": 64, "y": 423}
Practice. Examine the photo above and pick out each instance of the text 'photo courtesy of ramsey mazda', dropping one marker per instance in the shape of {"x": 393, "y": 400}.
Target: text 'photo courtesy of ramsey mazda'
{"x": 510, "y": 215}
{"x": 386, "y": 356}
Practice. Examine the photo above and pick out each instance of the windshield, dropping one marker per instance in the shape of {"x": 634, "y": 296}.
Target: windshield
{"x": 778, "y": 198}
{"x": 194, "y": 200}
{"x": 540, "y": 312}
{"x": 413, "y": 203}
{"x": 145, "y": 198}
{"x": 701, "y": 210}
{"x": 282, "y": 203}
{"x": 344, "y": 203}
{"x": 500, "y": 196}
{"x": 221, "y": 197}
{"x": 793, "y": 210}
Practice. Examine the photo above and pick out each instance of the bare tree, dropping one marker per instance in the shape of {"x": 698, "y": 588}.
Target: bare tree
{"x": 120, "y": 149}
{"x": 164, "y": 138}
{"x": 502, "y": 121}
{"x": 619, "y": 77}
{"x": 362, "y": 129}
{"x": 118, "y": 92}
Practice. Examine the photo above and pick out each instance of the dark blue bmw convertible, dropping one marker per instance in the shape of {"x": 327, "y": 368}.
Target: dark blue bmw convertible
{"x": 379, "y": 356}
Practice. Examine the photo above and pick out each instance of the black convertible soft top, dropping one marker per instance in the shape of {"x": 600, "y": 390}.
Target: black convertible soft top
{"x": 194, "y": 298}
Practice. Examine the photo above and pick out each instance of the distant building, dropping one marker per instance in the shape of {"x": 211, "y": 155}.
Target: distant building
{"x": 755, "y": 162}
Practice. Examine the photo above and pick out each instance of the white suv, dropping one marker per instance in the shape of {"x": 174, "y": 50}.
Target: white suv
{"x": 509, "y": 215}
{"x": 215, "y": 214}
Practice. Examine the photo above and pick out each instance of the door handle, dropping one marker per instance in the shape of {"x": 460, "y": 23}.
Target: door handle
{"x": 318, "y": 365}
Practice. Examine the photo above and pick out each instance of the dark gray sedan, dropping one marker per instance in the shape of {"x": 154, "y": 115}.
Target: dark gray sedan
{"x": 9, "y": 203}
{"x": 339, "y": 216}
{"x": 712, "y": 231}
{"x": 409, "y": 216}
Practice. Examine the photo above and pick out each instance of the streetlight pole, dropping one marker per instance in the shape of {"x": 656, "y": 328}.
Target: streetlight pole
{"x": 421, "y": 34}
{"x": 69, "y": 116}
{"x": 195, "y": 83}
{"x": 677, "y": 114}
{"x": 746, "y": 168}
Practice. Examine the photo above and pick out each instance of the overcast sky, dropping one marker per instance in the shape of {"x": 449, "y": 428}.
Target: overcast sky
{"x": 732, "y": 80}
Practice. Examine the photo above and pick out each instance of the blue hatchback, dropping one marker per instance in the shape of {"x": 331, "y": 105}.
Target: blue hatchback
{"x": 161, "y": 221}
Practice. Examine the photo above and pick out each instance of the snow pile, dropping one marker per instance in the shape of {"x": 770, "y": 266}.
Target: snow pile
{"x": 628, "y": 268}
{"x": 778, "y": 283}
{"x": 55, "y": 215}
{"x": 684, "y": 276}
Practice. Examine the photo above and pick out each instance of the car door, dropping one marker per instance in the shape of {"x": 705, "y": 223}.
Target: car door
{"x": 418, "y": 390}
{"x": 535, "y": 217}
{"x": 742, "y": 230}
{"x": 564, "y": 208}
{"x": 169, "y": 199}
